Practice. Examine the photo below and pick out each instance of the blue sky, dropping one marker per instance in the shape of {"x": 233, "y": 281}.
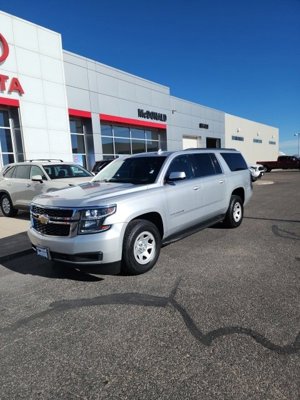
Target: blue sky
{"x": 242, "y": 57}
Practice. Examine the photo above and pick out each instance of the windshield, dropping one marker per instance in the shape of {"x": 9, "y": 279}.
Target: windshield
{"x": 60, "y": 171}
{"x": 136, "y": 170}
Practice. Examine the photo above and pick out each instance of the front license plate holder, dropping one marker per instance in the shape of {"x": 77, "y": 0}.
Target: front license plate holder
{"x": 43, "y": 252}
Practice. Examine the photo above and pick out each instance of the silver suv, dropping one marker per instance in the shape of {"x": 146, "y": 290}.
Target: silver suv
{"x": 138, "y": 203}
{"x": 21, "y": 182}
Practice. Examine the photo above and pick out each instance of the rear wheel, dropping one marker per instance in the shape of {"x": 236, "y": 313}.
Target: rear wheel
{"x": 141, "y": 247}
{"x": 235, "y": 212}
{"x": 7, "y": 207}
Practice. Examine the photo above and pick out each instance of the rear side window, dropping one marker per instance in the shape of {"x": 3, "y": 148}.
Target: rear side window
{"x": 9, "y": 172}
{"x": 205, "y": 165}
{"x": 22, "y": 172}
{"x": 235, "y": 161}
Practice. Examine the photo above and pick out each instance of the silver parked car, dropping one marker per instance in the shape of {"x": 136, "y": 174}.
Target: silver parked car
{"x": 21, "y": 182}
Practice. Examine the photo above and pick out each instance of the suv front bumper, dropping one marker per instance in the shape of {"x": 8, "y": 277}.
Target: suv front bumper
{"x": 99, "y": 248}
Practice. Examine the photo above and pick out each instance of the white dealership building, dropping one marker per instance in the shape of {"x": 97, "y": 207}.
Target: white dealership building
{"x": 56, "y": 104}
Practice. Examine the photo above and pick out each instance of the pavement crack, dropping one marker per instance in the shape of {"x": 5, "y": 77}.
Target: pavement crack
{"x": 146, "y": 300}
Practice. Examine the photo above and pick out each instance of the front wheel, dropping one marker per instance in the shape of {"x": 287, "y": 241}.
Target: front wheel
{"x": 141, "y": 247}
{"x": 7, "y": 207}
{"x": 235, "y": 212}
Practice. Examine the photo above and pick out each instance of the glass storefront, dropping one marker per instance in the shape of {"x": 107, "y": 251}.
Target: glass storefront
{"x": 118, "y": 140}
{"x": 77, "y": 129}
{"x": 11, "y": 144}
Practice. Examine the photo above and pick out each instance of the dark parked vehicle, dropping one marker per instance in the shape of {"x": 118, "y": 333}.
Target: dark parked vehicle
{"x": 283, "y": 162}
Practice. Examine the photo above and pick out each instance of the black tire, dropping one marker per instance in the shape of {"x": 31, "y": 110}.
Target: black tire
{"x": 141, "y": 247}
{"x": 7, "y": 207}
{"x": 235, "y": 212}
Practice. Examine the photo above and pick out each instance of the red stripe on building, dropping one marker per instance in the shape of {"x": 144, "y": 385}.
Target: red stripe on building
{"x": 9, "y": 102}
{"x": 79, "y": 113}
{"x": 131, "y": 121}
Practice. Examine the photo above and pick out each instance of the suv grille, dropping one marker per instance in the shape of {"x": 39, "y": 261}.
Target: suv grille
{"x": 51, "y": 229}
{"x": 53, "y": 221}
{"x": 52, "y": 212}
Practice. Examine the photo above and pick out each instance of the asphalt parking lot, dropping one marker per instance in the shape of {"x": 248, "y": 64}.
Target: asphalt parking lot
{"x": 217, "y": 318}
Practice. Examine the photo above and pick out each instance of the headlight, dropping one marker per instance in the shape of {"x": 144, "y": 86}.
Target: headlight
{"x": 92, "y": 219}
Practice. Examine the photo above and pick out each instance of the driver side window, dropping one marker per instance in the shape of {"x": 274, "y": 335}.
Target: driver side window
{"x": 35, "y": 170}
{"x": 181, "y": 164}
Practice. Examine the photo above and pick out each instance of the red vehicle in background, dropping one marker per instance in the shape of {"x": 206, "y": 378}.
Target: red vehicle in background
{"x": 283, "y": 162}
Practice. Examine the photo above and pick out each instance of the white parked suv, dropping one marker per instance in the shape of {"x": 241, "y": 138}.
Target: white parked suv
{"x": 21, "y": 182}
{"x": 138, "y": 203}
{"x": 257, "y": 171}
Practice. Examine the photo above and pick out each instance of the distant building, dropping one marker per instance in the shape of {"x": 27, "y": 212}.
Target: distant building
{"x": 56, "y": 104}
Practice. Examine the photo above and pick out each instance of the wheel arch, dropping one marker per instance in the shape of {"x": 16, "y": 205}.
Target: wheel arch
{"x": 2, "y": 192}
{"x": 239, "y": 192}
{"x": 155, "y": 218}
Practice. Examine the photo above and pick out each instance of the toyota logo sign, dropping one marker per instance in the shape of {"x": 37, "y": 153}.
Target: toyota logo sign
{"x": 4, "y": 49}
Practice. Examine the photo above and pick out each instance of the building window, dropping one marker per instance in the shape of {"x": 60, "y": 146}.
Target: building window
{"x": 272, "y": 142}
{"x": 119, "y": 139}
{"x": 11, "y": 143}
{"x": 257, "y": 141}
{"x": 239, "y": 138}
{"x": 77, "y": 129}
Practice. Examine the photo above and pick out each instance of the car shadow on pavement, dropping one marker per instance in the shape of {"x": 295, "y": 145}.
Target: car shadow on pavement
{"x": 24, "y": 265}
{"x": 24, "y": 215}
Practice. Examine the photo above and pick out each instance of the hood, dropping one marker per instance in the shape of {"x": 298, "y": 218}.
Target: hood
{"x": 87, "y": 194}
{"x": 64, "y": 182}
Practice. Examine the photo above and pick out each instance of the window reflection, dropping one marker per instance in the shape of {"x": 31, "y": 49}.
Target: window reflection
{"x": 120, "y": 131}
{"x": 130, "y": 140}
{"x": 78, "y": 128}
{"x": 11, "y": 146}
{"x": 138, "y": 146}
{"x": 122, "y": 146}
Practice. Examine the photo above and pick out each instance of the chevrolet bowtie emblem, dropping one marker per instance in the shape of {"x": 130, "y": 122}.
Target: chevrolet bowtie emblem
{"x": 43, "y": 219}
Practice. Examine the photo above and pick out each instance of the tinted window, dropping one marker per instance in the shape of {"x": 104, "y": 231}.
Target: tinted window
{"x": 205, "y": 165}
{"x": 22, "y": 172}
{"x": 181, "y": 164}
{"x": 235, "y": 161}
{"x": 216, "y": 164}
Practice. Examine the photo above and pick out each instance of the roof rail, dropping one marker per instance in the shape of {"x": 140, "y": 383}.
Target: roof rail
{"x": 45, "y": 159}
{"x": 210, "y": 148}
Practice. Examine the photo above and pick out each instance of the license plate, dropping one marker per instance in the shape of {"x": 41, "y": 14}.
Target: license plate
{"x": 43, "y": 252}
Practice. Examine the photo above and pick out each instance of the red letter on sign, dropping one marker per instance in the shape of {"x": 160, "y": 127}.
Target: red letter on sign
{"x": 15, "y": 86}
{"x": 3, "y": 79}
{"x": 5, "y": 49}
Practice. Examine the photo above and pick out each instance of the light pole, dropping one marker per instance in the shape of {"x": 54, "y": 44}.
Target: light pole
{"x": 297, "y": 134}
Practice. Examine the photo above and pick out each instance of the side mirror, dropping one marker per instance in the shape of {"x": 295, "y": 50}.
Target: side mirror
{"x": 37, "y": 178}
{"x": 176, "y": 176}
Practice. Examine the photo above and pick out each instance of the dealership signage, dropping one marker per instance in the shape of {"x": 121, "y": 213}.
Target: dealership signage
{"x": 152, "y": 115}
{"x": 8, "y": 84}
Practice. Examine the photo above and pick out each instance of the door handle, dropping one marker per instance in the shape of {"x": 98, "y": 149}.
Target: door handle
{"x": 196, "y": 187}
{"x": 221, "y": 181}
{"x": 28, "y": 185}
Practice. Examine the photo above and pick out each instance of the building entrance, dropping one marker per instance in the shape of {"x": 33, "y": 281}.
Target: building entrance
{"x": 11, "y": 147}
{"x": 213, "y": 143}
{"x": 190, "y": 142}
